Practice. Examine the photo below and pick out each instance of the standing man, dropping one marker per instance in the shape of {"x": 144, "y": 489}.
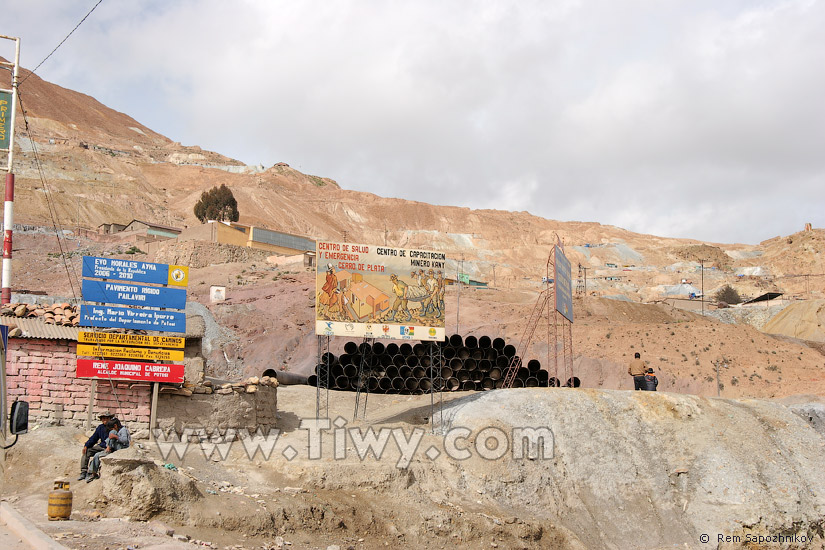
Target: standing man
{"x": 95, "y": 444}
{"x": 399, "y": 289}
{"x": 637, "y": 371}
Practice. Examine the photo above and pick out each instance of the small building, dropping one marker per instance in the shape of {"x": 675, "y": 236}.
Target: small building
{"x": 367, "y": 300}
{"x": 110, "y": 228}
{"x": 152, "y": 229}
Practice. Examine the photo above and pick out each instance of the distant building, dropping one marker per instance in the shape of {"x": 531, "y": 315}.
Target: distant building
{"x": 238, "y": 234}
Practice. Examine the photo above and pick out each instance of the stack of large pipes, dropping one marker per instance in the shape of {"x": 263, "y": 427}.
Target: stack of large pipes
{"x": 471, "y": 363}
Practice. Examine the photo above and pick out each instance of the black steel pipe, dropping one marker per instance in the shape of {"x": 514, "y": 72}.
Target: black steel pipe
{"x": 534, "y": 365}
{"x": 471, "y": 341}
{"x": 419, "y": 372}
{"x": 412, "y": 361}
{"x": 391, "y": 372}
{"x": 485, "y": 342}
{"x": 502, "y": 361}
{"x": 509, "y": 350}
{"x": 398, "y": 383}
{"x": 405, "y": 371}
{"x": 391, "y": 349}
{"x": 456, "y": 340}
{"x": 411, "y": 384}
{"x": 456, "y": 363}
{"x": 378, "y": 348}
{"x": 372, "y": 383}
{"x": 477, "y": 354}
{"x": 405, "y": 349}
{"x": 462, "y": 375}
{"x": 342, "y": 382}
{"x": 419, "y": 350}
{"x": 385, "y": 383}
{"x": 329, "y": 358}
{"x": 518, "y": 383}
{"x": 350, "y": 348}
{"x": 312, "y": 380}
{"x": 531, "y": 382}
{"x": 469, "y": 385}
{"x": 573, "y": 382}
{"x": 451, "y": 384}
{"x": 425, "y": 385}
{"x": 484, "y": 365}
{"x": 286, "y": 378}
{"x": 448, "y": 352}
{"x": 495, "y": 373}
{"x": 364, "y": 348}
{"x": 543, "y": 377}
{"x": 488, "y": 384}
{"x": 350, "y": 370}
{"x": 446, "y": 372}
{"x": 470, "y": 364}
{"x": 462, "y": 353}
{"x": 499, "y": 343}
{"x": 553, "y": 382}
{"x": 385, "y": 359}
{"x": 399, "y": 360}
{"x": 337, "y": 370}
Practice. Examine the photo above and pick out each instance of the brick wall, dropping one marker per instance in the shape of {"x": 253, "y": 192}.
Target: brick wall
{"x": 42, "y": 372}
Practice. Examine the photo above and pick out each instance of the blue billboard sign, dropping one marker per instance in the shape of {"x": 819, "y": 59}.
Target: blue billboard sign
{"x": 125, "y": 317}
{"x": 113, "y": 292}
{"x": 564, "y": 287}
{"x": 135, "y": 271}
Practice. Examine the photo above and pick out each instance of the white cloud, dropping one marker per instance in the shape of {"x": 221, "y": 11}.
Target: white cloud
{"x": 693, "y": 118}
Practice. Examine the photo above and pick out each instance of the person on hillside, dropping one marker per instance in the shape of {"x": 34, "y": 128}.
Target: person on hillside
{"x": 118, "y": 439}
{"x": 651, "y": 382}
{"x": 637, "y": 371}
{"x": 95, "y": 444}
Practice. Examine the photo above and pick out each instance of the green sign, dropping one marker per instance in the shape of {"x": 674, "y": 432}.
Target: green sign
{"x": 464, "y": 278}
{"x": 5, "y": 120}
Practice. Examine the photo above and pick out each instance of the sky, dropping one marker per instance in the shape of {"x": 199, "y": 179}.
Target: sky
{"x": 679, "y": 118}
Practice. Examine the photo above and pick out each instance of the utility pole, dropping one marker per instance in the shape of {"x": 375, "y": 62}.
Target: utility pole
{"x": 702, "y": 263}
{"x": 458, "y": 300}
{"x": 494, "y": 275}
{"x": 7, "y": 144}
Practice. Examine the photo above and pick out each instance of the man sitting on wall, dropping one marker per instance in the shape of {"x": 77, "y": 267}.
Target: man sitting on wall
{"x": 95, "y": 444}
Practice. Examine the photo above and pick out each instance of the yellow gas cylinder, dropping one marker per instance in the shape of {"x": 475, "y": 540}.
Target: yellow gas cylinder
{"x": 60, "y": 501}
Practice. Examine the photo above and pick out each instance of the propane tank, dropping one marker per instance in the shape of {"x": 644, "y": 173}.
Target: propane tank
{"x": 60, "y": 501}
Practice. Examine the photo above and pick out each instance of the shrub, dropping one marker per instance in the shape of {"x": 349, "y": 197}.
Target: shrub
{"x": 217, "y": 204}
{"x": 728, "y": 295}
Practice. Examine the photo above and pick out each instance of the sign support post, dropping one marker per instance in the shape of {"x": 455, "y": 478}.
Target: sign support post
{"x": 90, "y": 415}
{"x": 153, "y": 413}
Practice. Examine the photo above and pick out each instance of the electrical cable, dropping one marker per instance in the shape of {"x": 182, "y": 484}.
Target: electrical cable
{"x": 61, "y": 42}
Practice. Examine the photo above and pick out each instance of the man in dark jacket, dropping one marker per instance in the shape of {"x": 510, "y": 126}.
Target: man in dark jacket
{"x": 650, "y": 381}
{"x": 637, "y": 371}
{"x": 95, "y": 444}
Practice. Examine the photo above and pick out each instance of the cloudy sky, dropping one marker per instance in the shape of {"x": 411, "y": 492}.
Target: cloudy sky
{"x": 684, "y": 118}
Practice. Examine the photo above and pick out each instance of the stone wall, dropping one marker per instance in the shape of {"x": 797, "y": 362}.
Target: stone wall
{"x": 236, "y": 408}
{"x": 42, "y": 372}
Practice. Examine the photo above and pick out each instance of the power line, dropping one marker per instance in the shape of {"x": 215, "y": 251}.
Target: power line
{"x": 62, "y": 41}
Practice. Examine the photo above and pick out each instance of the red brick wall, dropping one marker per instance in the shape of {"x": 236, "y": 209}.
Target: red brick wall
{"x": 42, "y": 372}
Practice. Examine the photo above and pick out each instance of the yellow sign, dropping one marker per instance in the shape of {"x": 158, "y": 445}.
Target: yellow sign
{"x": 118, "y": 339}
{"x": 144, "y": 354}
{"x": 178, "y": 275}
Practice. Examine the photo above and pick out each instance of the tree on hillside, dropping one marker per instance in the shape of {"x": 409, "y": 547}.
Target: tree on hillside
{"x": 217, "y": 204}
{"x": 728, "y": 295}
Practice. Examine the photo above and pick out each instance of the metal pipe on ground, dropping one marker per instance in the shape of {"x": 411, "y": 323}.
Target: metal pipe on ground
{"x": 456, "y": 363}
{"x": 399, "y": 360}
{"x": 378, "y": 348}
{"x": 543, "y": 377}
{"x": 452, "y": 384}
{"x": 491, "y": 354}
{"x": 385, "y": 359}
{"x": 398, "y": 383}
{"x": 523, "y": 373}
{"x": 531, "y": 382}
{"x": 446, "y": 372}
{"x": 364, "y": 348}
{"x": 424, "y": 361}
{"x": 329, "y": 358}
{"x": 391, "y": 349}
{"x": 499, "y": 383}
{"x": 405, "y": 372}
{"x": 469, "y": 385}
{"x": 385, "y": 384}
{"x": 372, "y": 383}
{"x": 573, "y": 382}
{"x": 411, "y": 384}
{"x": 553, "y": 382}
{"x": 534, "y": 365}
{"x": 470, "y": 364}
{"x": 456, "y": 340}
{"x": 412, "y": 361}
{"x": 321, "y": 367}
{"x": 518, "y": 383}
{"x": 471, "y": 341}
{"x": 391, "y": 372}
{"x": 462, "y": 375}
{"x": 485, "y": 342}
{"x": 350, "y": 370}
{"x": 342, "y": 382}
{"x": 476, "y": 376}
{"x": 419, "y": 350}
{"x": 499, "y": 343}
{"x": 488, "y": 384}
{"x": 419, "y": 372}
{"x": 495, "y": 373}
{"x": 448, "y": 352}
{"x": 337, "y": 370}
{"x": 425, "y": 385}
{"x": 484, "y": 365}
{"x": 509, "y": 350}
{"x": 357, "y": 383}
{"x": 462, "y": 353}
{"x": 312, "y": 380}
{"x": 405, "y": 349}
{"x": 286, "y": 378}
{"x": 502, "y": 361}
{"x": 351, "y": 348}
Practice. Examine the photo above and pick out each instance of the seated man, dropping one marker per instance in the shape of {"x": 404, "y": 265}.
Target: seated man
{"x": 118, "y": 439}
{"x": 95, "y": 444}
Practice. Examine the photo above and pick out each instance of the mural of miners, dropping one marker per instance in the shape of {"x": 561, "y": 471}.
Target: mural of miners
{"x": 330, "y": 296}
{"x": 400, "y": 290}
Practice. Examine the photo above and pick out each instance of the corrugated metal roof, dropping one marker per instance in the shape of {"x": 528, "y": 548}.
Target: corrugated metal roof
{"x": 35, "y": 328}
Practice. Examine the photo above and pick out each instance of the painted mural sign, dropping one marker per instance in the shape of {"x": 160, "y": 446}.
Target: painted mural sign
{"x": 564, "y": 287}
{"x": 379, "y": 292}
